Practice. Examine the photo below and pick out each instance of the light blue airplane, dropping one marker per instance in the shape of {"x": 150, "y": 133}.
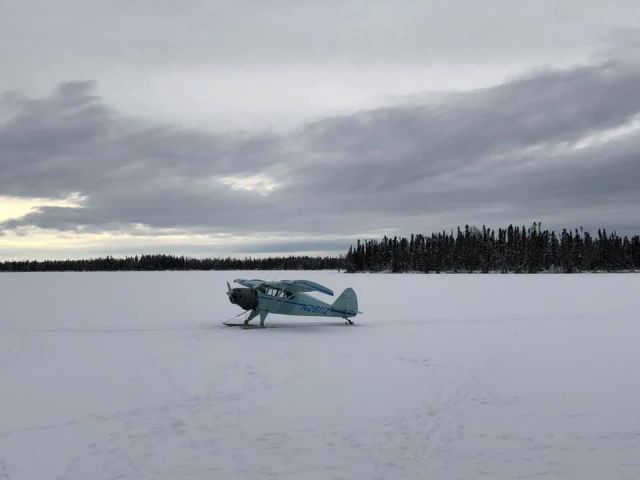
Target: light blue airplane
{"x": 289, "y": 297}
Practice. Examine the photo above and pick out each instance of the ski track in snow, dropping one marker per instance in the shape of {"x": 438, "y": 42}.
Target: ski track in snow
{"x": 131, "y": 375}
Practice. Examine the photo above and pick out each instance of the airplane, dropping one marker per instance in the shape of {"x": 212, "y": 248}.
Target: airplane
{"x": 289, "y": 297}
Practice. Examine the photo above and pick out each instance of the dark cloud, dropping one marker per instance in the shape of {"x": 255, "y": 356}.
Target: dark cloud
{"x": 503, "y": 154}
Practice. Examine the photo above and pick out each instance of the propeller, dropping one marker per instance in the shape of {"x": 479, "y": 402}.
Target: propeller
{"x": 230, "y": 294}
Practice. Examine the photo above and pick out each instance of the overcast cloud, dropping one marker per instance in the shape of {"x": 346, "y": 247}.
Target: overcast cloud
{"x": 556, "y": 144}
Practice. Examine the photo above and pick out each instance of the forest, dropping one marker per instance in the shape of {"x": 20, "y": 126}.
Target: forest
{"x": 512, "y": 249}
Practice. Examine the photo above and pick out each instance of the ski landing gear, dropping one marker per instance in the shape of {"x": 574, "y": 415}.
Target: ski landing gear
{"x": 254, "y": 313}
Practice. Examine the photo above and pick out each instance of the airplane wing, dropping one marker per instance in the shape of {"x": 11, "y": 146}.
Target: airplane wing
{"x": 290, "y": 286}
{"x": 256, "y": 282}
{"x": 297, "y": 286}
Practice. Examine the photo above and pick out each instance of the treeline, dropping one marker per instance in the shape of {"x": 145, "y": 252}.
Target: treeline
{"x": 171, "y": 262}
{"x": 511, "y": 249}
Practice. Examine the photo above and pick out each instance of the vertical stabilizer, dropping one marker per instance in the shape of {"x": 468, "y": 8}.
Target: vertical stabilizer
{"x": 347, "y": 303}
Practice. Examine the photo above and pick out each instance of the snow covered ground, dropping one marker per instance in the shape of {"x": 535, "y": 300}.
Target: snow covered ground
{"x": 131, "y": 375}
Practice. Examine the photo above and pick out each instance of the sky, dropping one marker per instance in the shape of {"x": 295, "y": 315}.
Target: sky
{"x": 294, "y": 127}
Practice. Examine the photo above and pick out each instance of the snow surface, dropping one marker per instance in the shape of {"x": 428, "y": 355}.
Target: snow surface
{"x": 132, "y": 375}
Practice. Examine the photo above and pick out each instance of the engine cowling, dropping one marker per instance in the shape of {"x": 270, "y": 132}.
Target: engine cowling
{"x": 245, "y": 298}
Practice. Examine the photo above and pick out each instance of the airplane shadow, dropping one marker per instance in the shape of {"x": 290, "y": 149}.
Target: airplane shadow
{"x": 306, "y": 326}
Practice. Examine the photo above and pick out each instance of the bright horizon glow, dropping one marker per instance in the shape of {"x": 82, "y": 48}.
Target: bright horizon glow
{"x": 41, "y": 244}
{"x": 12, "y": 207}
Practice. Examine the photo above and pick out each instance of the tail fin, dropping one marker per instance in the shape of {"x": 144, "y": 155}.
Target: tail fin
{"x": 347, "y": 303}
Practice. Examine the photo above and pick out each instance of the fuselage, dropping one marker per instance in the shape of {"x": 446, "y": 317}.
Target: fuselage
{"x": 297, "y": 304}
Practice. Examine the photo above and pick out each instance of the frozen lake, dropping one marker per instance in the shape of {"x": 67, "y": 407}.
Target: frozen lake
{"x": 131, "y": 375}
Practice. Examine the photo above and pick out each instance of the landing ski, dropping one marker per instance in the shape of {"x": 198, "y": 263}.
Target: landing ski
{"x": 242, "y": 325}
